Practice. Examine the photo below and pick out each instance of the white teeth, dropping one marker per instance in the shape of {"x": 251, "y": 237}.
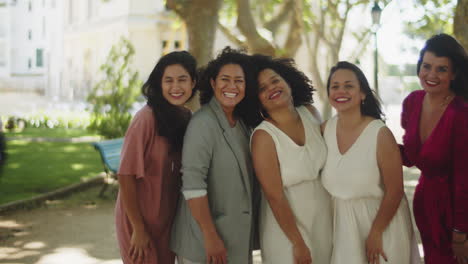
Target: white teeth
{"x": 230, "y": 95}
{"x": 341, "y": 99}
{"x": 274, "y": 94}
{"x": 431, "y": 83}
{"x": 176, "y": 94}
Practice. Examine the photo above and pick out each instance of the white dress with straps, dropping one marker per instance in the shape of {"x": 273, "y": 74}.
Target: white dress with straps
{"x": 353, "y": 179}
{"x": 300, "y": 173}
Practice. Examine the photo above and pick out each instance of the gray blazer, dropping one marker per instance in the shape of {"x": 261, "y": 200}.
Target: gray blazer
{"x": 217, "y": 158}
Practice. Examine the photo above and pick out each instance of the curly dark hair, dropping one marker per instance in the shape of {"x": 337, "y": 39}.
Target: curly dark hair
{"x": 227, "y": 56}
{"x": 371, "y": 104}
{"x": 443, "y": 45}
{"x": 171, "y": 120}
{"x": 301, "y": 86}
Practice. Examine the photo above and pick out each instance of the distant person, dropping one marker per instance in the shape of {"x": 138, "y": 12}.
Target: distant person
{"x": 435, "y": 120}
{"x": 149, "y": 173}
{"x": 288, "y": 153}
{"x": 363, "y": 174}
{"x": 215, "y": 221}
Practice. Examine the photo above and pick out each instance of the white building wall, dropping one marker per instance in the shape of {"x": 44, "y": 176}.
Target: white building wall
{"x": 5, "y": 36}
{"x": 91, "y": 30}
{"x": 33, "y": 45}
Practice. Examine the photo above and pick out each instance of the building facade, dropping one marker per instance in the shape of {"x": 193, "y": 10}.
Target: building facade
{"x": 92, "y": 27}
{"x": 30, "y": 42}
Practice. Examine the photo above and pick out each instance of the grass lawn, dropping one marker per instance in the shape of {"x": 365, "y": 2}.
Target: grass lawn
{"x": 51, "y": 133}
{"x": 35, "y": 168}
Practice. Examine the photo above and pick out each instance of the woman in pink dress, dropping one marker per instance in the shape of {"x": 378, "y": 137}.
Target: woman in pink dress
{"x": 149, "y": 174}
{"x": 435, "y": 120}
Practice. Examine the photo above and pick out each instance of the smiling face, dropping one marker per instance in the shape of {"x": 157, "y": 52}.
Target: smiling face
{"x": 345, "y": 91}
{"x": 229, "y": 86}
{"x": 436, "y": 73}
{"x": 176, "y": 85}
{"x": 273, "y": 91}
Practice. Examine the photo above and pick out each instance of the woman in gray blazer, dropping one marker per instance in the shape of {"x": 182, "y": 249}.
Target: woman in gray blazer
{"x": 215, "y": 219}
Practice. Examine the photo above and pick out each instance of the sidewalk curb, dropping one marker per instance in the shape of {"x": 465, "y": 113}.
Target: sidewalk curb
{"x": 59, "y": 193}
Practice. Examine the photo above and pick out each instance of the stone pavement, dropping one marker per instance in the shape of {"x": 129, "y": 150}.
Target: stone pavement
{"x": 78, "y": 230}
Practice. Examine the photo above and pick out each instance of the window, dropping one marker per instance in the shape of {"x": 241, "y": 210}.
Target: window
{"x": 43, "y": 27}
{"x": 30, "y": 6}
{"x": 176, "y": 44}
{"x": 39, "y": 57}
{"x": 30, "y": 34}
{"x": 70, "y": 11}
{"x": 29, "y": 63}
{"x": 2, "y": 55}
{"x": 164, "y": 44}
{"x": 90, "y": 8}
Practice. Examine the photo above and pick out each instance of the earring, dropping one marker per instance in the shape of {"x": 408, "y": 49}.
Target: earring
{"x": 261, "y": 114}
{"x": 363, "y": 101}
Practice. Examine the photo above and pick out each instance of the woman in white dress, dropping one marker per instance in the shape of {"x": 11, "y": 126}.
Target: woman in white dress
{"x": 288, "y": 153}
{"x": 363, "y": 174}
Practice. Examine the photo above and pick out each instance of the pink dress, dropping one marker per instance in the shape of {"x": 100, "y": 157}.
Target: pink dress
{"x": 441, "y": 196}
{"x": 145, "y": 155}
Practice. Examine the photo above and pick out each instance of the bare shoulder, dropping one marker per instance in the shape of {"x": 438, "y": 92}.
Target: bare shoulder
{"x": 385, "y": 138}
{"x": 261, "y": 137}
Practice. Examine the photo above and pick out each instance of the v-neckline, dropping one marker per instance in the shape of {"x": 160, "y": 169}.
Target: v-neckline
{"x": 286, "y": 135}
{"x": 418, "y": 128}
{"x": 355, "y": 141}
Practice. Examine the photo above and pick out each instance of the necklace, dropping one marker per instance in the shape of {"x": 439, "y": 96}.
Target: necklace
{"x": 446, "y": 101}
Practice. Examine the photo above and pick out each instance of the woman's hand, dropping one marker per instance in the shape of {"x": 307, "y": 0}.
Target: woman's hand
{"x": 140, "y": 246}
{"x": 301, "y": 254}
{"x": 374, "y": 248}
{"x": 215, "y": 251}
{"x": 460, "y": 247}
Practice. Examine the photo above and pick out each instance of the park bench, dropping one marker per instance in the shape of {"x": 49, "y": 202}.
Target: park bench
{"x": 110, "y": 156}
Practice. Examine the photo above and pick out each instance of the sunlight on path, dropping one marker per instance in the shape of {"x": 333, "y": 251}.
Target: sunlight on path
{"x": 73, "y": 256}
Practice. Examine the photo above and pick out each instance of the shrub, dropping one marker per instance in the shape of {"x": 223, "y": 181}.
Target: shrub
{"x": 112, "y": 98}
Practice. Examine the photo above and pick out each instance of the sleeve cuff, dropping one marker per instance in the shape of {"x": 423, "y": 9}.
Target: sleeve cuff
{"x": 191, "y": 194}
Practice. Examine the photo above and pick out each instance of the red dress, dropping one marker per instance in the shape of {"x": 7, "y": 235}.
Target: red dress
{"x": 146, "y": 156}
{"x": 441, "y": 196}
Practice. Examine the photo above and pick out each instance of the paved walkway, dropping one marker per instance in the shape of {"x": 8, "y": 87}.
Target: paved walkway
{"x": 78, "y": 230}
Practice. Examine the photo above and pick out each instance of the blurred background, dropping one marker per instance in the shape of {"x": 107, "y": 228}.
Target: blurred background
{"x": 71, "y": 72}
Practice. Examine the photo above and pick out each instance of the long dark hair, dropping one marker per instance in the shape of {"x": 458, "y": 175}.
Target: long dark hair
{"x": 371, "y": 104}
{"x": 443, "y": 45}
{"x": 211, "y": 71}
{"x": 171, "y": 120}
{"x": 300, "y": 84}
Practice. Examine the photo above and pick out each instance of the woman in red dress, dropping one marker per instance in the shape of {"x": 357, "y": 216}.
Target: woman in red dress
{"x": 149, "y": 173}
{"x": 435, "y": 120}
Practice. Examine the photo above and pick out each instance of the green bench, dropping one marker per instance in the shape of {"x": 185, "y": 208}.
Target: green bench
{"x": 110, "y": 156}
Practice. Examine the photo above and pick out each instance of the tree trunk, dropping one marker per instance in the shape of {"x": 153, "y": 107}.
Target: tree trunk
{"x": 248, "y": 28}
{"x": 296, "y": 26}
{"x": 201, "y": 18}
{"x": 460, "y": 23}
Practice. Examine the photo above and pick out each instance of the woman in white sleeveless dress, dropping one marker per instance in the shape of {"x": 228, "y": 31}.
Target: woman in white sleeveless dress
{"x": 363, "y": 173}
{"x": 288, "y": 153}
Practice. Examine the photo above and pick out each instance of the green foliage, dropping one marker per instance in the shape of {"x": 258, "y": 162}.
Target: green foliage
{"x": 113, "y": 97}
{"x": 412, "y": 86}
{"x": 436, "y": 17}
{"x": 401, "y": 70}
